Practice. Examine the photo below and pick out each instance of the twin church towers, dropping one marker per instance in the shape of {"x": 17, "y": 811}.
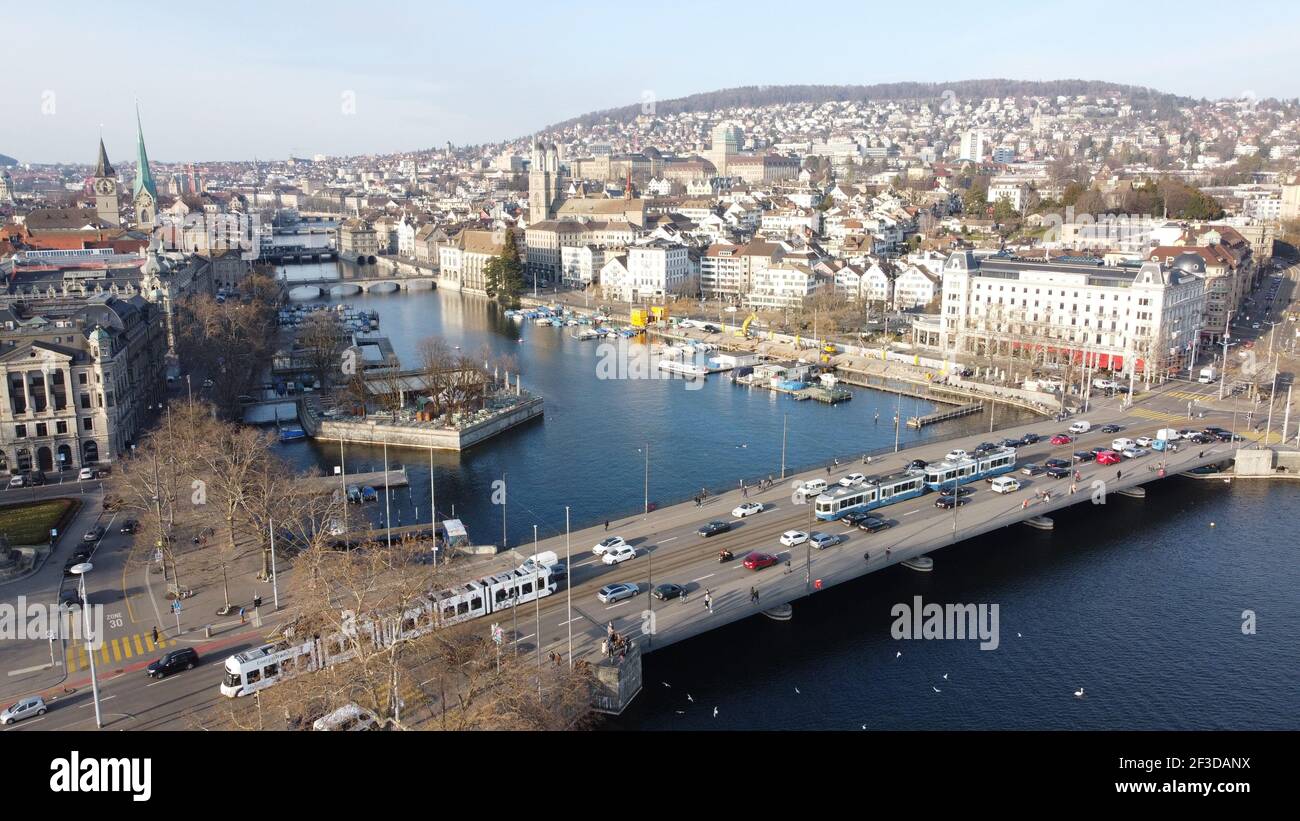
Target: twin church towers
{"x": 144, "y": 193}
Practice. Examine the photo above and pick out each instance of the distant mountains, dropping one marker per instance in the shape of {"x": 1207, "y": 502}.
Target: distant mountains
{"x": 754, "y": 96}
{"x": 7, "y": 161}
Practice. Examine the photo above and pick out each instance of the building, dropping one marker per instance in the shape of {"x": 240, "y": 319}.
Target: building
{"x": 726, "y": 140}
{"x": 649, "y": 272}
{"x": 104, "y": 184}
{"x": 357, "y": 239}
{"x": 915, "y": 287}
{"x": 77, "y": 382}
{"x": 580, "y": 264}
{"x": 783, "y": 284}
{"x": 462, "y": 262}
{"x": 972, "y": 146}
{"x": 543, "y": 182}
{"x": 144, "y": 193}
{"x": 1016, "y": 194}
{"x": 1139, "y": 319}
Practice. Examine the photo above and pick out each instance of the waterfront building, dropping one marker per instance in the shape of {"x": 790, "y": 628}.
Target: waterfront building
{"x": 357, "y": 239}
{"x": 462, "y": 262}
{"x": 647, "y": 272}
{"x": 784, "y": 284}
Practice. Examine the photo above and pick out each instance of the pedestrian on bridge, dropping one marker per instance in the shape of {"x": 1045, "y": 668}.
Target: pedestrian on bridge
{"x": 155, "y": 636}
{"x": 708, "y": 600}
{"x": 753, "y": 595}
{"x": 1118, "y": 475}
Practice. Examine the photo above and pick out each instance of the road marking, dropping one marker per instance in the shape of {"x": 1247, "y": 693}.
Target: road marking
{"x": 91, "y": 703}
{"x": 13, "y": 727}
{"x": 563, "y": 623}
{"x": 524, "y": 638}
{"x": 666, "y": 541}
{"x": 702, "y": 578}
{"x": 620, "y": 604}
{"x": 26, "y": 670}
{"x": 910, "y": 512}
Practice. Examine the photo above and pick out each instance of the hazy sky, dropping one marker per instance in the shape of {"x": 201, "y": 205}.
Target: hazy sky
{"x": 234, "y": 79}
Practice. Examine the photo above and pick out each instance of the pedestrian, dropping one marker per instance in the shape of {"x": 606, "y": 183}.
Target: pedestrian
{"x": 1118, "y": 475}
{"x": 753, "y": 595}
{"x": 1024, "y": 505}
{"x": 744, "y": 492}
{"x": 607, "y": 525}
{"x": 1073, "y": 488}
{"x": 787, "y": 567}
{"x": 155, "y": 636}
{"x": 1200, "y": 455}
{"x": 604, "y": 648}
{"x": 828, "y": 470}
{"x": 609, "y": 630}
{"x": 241, "y": 616}
{"x": 888, "y": 550}
{"x": 257, "y": 601}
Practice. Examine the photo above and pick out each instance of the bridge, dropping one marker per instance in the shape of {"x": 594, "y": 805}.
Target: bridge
{"x": 288, "y": 254}
{"x": 669, "y": 550}
{"x": 305, "y": 289}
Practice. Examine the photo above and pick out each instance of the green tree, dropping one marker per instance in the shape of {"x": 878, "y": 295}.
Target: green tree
{"x": 504, "y": 273}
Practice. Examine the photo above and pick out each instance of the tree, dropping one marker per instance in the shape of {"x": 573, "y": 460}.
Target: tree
{"x": 504, "y": 273}
{"x": 318, "y": 344}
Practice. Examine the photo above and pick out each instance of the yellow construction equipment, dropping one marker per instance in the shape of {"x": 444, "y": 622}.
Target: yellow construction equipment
{"x": 743, "y": 333}
{"x": 641, "y": 317}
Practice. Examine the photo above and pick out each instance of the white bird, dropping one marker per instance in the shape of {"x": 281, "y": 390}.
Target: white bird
{"x": 1017, "y": 635}
{"x": 666, "y": 684}
{"x": 945, "y": 676}
{"x": 688, "y": 698}
{"x": 797, "y": 691}
{"x": 1079, "y": 693}
{"x": 681, "y": 712}
{"x": 899, "y": 654}
{"x": 936, "y": 689}
{"x": 864, "y": 726}
{"x": 715, "y": 712}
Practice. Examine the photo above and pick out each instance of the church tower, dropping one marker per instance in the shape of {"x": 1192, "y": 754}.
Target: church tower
{"x": 144, "y": 192}
{"x": 105, "y": 185}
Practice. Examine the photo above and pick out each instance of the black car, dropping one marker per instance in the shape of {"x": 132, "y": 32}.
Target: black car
{"x": 917, "y": 464}
{"x": 873, "y": 524}
{"x": 69, "y": 596}
{"x": 713, "y": 528}
{"x": 1084, "y": 455}
{"x": 1202, "y": 439}
{"x": 130, "y": 526}
{"x": 182, "y": 659}
{"x": 74, "y": 560}
{"x": 1111, "y": 429}
{"x": 1031, "y": 469}
{"x": 1057, "y": 463}
{"x": 667, "y": 591}
{"x": 985, "y": 447}
{"x": 961, "y": 491}
{"x": 1011, "y": 443}
{"x": 948, "y": 502}
{"x": 1058, "y": 472}
{"x": 1030, "y": 439}
{"x": 1227, "y": 436}
{"x": 854, "y": 518}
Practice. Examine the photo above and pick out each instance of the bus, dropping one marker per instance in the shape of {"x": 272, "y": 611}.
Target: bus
{"x": 261, "y": 667}
{"x": 970, "y": 469}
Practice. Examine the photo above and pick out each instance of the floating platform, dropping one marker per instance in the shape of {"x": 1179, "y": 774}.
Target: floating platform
{"x": 830, "y": 396}
{"x": 943, "y": 416}
{"x": 1133, "y": 492}
{"x": 921, "y": 564}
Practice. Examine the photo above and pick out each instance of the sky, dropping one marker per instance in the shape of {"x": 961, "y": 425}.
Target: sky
{"x": 239, "y": 80}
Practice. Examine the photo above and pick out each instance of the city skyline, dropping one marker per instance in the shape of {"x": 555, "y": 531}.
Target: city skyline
{"x": 256, "y": 96}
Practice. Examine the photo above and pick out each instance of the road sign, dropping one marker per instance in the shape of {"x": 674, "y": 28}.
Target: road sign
{"x": 54, "y": 533}
{"x": 157, "y": 555}
{"x": 176, "y": 606}
{"x": 498, "y": 635}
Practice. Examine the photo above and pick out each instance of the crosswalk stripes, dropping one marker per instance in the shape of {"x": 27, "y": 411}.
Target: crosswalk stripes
{"x": 1160, "y": 416}
{"x": 114, "y": 650}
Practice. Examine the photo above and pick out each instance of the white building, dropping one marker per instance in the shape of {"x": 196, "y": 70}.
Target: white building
{"x": 915, "y": 287}
{"x": 580, "y": 265}
{"x": 647, "y": 272}
{"x": 972, "y": 146}
{"x": 781, "y": 285}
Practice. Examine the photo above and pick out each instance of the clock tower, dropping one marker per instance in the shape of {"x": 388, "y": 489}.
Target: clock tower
{"x": 144, "y": 192}
{"x": 104, "y": 182}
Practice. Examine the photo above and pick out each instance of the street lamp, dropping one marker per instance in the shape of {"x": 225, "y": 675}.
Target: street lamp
{"x": 80, "y": 570}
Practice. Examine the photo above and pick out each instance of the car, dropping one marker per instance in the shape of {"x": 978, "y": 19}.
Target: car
{"x": 85, "y": 475}
{"x": 1062, "y": 439}
{"x": 1144, "y": 441}
{"x": 348, "y": 718}
{"x": 821, "y": 541}
{"x": 956, "y": 455}
{"x": 668, "y": 590}
{"x": 1005, "y": 484}
{"x": 1057, "y": 463}
{"x": 75, "y": 559}
{"x": 1201, "y": 438}
{"x": 713, "y": 528}
{"x": 1084, "y": 455}
{"x": 618, "y": 555}
{"x": 853, "y": 480}
{"x": 985, "y": 447}
{"x": 94, "y": 534}
{"x": 1120, "y": 445}
{"x": 874, "y": 524}
{"x": 183, "y": 659}
{"x": 611, "y": 593}
{"x": 811, "y": 487}
{"x": 1010, "y": 443}
{"x": 1081, "y": 427}
{"x": 208, "y": 383}
{"x": 69, "y": 596}
{"x": 917, "y": 464}
{"x": 1058, "y": 472}
{"x": 1226, "y": 436}
{"x": 38, "y": 478}
{"x": 854, "y": 517}
{"x": 607, "y": 544}
{"x": 1030, "y": 439}
{"x": 758, "y": 561}
{"x": 747, "y": 509}
{"x": 960, "y": 491}
{"x": 1111, "y": 428}
{"x": 1134, "y": 452}
{"x": 23, "y": 708}
{"x": 1031, "y": 469}
{"x": 17, "y": 480}
{"x": 947, "y": 502}
{"x": 790, "y": 538}
{"x": 1108, "y": 457}
{"x": 130, "y": 526}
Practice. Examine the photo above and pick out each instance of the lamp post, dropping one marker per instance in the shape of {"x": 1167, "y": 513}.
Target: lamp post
{"x": 568, "y": 586}
{"x": 81, "y": 570}
{"x": 647, "y": 479}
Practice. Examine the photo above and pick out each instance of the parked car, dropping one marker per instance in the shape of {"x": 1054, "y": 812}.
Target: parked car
{"x": 1084, "y": 455}
{"x": 183, "y": 659}
{"x": 348, "y": 718}
{"x": 1010, "y": 443}
{"x": 758, "y": 561}
{"x": 747, "y": 509}
{"x": 1062, "y": 439}
{"x": 874, "y": 524}
{"x": 85, "y": 474}
{"x": 23, "y": 708}
{"x": 69, "y": 596}
{"x": 713, "y": 528}
{"x": 17, "y": 480}
{"x": 611, "y": 593}
{"x": 667, "y": 591}
{"x": 605, "y": 545}
{"x": 821, "y": 541}
{"x": 853, "y": 480}
{"x": 791, "y": 538}
{"x": 985, "y": 447}
{"x": 94, "y": 534}
{"x": 619, "y": 555}
{"x": 130, "y": 526}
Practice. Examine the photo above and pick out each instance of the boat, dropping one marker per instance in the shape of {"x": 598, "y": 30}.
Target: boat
{"x": 683, "y": 368}
{"x": 369, "y": 494}
{"x": 354, "y": 494}
{"x": 290, "y": 433}
{"x": 922, "y": 564}
{"x": 588, "y": 333}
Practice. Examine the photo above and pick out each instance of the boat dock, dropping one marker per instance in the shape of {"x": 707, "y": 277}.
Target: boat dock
{"x": 919, "y": 422}
{"x": 830, "y": 396}
{"x": 372, "y": 478}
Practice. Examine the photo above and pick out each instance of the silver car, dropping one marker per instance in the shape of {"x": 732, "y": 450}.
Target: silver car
{"x": 611, "y": 593}
{"x": 821, "y": 541}
{"x": 25, "y": 708}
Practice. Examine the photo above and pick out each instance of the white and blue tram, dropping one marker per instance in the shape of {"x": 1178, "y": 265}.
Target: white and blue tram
{"x": 971, "y": 469}
{"x": 873, "y": 494}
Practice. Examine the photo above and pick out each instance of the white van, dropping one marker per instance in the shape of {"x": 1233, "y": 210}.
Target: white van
{"x": 1168, "y": 434}
{"x": 347, "y": 718}
{"x": 1081, "y": 427}
{"x": 1005, "y": 484}
{"x": 1104, "y": 384}
{"x": 1121, "y": 445}
{"x": 810, "y": 488}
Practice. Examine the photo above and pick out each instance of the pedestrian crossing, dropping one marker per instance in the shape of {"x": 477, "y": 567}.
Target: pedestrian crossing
{"x": 1160, "y": 416}
{"x": 112, "y": 651}
{"x": 1192, "y": 395}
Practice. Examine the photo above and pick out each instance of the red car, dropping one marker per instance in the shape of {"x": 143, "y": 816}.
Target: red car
{"x": 758, "y": 561}
{"x": 1061, "y": 439}
{"x": 1109, "y": 457}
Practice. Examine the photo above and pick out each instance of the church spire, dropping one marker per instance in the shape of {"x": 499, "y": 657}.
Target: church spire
{"x": 143, "y": 176}
{"x": 104, "y": 168}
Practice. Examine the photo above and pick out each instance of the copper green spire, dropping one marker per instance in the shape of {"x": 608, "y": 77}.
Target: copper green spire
{"x": 143, "y": 176}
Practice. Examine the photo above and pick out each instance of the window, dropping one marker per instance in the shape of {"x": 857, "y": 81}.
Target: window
{"x": 61, "y": 426}
{"x": 88, "y": 424}
{"x": 42, "y": 429}
{"x": 20, "y": 431}
{"x": 81, "y": 378}
{"x": 85, "y": 401}
{"x": 254, "y": 676}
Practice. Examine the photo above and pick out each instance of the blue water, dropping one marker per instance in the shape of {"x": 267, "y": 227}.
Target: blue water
{"x": 1139, "y": 602}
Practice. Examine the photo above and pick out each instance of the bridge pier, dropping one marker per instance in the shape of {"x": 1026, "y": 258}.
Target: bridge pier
{"x": 1133, "y": 492}
{"x": 782, "y": 612}
{"x": 1040, "y": 523}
